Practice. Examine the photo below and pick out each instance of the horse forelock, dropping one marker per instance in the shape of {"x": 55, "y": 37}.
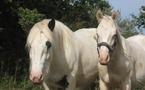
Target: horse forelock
{"x": 108, "y": 20}
{"x": 37, "y": 29}
{"x": 33, "y": 32}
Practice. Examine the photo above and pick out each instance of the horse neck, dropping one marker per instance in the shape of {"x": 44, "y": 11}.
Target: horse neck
{"x": 121, "y": 47}
{"x": 63, "y": 48}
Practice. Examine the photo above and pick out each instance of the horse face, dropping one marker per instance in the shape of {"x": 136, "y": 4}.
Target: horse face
{"x": 40, "y": 50}
{"x": 106, "y": 38}
{"x": 39, "y": 54}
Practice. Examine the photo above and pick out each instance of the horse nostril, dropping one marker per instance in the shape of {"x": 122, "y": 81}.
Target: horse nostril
{"x": 36, "y": 77}
{"x": 41, "y": 77}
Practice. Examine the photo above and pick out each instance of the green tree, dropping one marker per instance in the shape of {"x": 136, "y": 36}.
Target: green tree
{"x": 127, "y": 27}
{"x": 28, "y": 18}
{"x": 82, "y": 13}
{"x": 75, "y": 13}
{"x": 140, "y": 19}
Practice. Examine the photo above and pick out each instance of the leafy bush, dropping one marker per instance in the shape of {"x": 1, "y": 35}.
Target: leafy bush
{"x": 28, "y": 18}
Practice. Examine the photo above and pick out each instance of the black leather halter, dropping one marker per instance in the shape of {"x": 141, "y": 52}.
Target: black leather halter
{"x": 105, "y": 44}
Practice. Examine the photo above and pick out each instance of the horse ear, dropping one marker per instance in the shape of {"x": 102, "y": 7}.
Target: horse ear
{"x": 99, "y": 15}
{"x": 114, "y": 15}
{"x": 51, "y": 24}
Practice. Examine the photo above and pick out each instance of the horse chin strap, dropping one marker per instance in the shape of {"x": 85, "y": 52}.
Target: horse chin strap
{"x": 106, "y": 45}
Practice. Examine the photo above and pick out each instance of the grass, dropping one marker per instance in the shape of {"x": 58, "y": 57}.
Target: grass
{"x": 9, "y": 83}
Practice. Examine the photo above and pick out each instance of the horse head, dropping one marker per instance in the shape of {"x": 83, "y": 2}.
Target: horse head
{"x": 106, "y": 36}
{"x": 39, "y": 43}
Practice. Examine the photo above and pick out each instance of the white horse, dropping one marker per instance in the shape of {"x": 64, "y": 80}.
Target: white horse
{"x": 121, "y": 61}
{"x": 58, "y": 55}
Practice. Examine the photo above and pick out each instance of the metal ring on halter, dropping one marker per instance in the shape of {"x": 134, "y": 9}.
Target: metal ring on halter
{"x": 105, "y": 44}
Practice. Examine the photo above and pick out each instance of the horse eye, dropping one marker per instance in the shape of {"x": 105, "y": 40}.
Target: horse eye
{"x": 48, "y": 44}
{"x": 97, "y": 37}
{"x": 114, "y": 36}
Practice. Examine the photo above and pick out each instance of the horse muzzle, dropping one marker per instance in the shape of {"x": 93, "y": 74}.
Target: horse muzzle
{"x": 36, "y": 78}
{"x": 104, "y": 56}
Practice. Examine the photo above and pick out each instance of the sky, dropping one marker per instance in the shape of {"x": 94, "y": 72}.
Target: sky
{"x": 127, "y": 7}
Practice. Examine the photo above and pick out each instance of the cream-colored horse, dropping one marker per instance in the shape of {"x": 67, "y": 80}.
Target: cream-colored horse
{"x": 121, "y": 61}
{"x": 58, "y": 55}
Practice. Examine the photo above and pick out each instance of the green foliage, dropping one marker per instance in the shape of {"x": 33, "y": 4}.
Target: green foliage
{"x": 28, "y": 18}
{"x": 127, "y": 28}
{"x": 140, "y": 20}
{"x": 82, "y": 13}
{"x": 8, "y": 83}
{"x": 75, "y": 13}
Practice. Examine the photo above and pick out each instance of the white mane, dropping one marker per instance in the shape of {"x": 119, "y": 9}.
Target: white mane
{"x": 37, "y": 29}
{"x": 63, "y": 41}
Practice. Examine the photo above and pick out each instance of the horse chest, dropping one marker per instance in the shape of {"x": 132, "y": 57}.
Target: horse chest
{"x": 59, "y": 82}
{"x": 113, "y": 74}
{"x": 111, "y": 77}
{"x": 55, "y": 75}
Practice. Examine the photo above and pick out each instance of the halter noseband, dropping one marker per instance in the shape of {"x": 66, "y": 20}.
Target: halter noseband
{"x": 106, "y": 45}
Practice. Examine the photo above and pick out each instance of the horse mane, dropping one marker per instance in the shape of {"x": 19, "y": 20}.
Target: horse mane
{"x": 121, "y": 39}
{"x": 33, "y": 32}
{"x": 37, "y": 29}
{"x": 63, "y": 40}
{"x": 62, "y": 31}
